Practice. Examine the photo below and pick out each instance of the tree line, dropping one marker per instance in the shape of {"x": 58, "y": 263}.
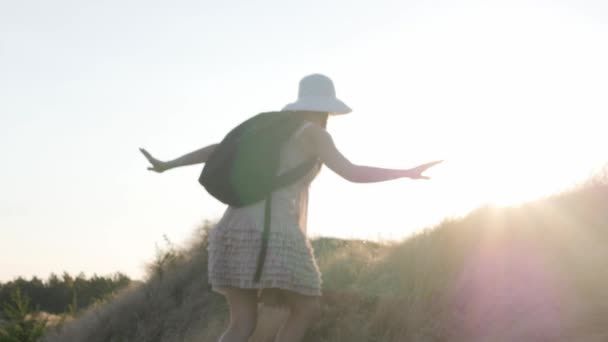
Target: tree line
{"x": 65, "y": 293}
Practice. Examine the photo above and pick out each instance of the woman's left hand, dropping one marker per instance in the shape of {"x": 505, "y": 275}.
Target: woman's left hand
{"x": 157, "y": 165}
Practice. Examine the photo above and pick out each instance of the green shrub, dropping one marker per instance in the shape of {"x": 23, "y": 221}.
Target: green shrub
{"x": 24, "y": 324}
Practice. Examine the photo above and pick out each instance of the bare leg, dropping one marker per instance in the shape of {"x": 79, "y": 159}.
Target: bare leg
{"x": 303, "y": 311}
{"x": 243, "y": 315}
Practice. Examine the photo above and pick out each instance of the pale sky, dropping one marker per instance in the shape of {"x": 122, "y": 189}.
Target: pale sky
{"x": 512, "y": 94}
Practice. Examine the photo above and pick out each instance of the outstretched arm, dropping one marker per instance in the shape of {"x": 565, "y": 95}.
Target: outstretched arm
{"x": 196, "y": 157}
{"x": 337, "y": 162}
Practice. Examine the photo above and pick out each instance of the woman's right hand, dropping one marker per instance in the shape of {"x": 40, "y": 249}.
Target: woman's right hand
{"x": 157, "y": 165}
{"x": 416, "y": 173}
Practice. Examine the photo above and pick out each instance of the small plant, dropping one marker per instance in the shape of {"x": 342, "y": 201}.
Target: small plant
{"x": 24, "y": 324}
{"x": 165, "y": 258}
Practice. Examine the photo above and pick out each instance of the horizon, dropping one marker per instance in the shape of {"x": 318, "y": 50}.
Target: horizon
{"x": 509, "y": 94}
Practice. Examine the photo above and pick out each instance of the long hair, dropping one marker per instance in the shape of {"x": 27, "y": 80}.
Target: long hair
{"x": 321, "y": 120}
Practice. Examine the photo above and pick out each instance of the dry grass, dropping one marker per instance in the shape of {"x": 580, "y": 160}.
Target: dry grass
{"x": 531, "y": 273}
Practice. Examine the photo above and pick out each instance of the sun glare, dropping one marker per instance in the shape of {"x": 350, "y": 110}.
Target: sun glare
{"x": 511, "y": 98}
{"x": 539, "y": 82}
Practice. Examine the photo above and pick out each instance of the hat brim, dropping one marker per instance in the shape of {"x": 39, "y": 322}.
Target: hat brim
{"x": 329, "y": 105}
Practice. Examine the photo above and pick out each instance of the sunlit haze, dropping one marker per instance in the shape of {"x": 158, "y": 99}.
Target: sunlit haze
{"x": 511, "y": 94}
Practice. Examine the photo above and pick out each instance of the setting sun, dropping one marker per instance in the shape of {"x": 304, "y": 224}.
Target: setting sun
{"x": 511, "y": 99}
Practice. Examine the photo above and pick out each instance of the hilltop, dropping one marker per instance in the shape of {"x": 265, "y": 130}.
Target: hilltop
{"x": 534, "y": 272}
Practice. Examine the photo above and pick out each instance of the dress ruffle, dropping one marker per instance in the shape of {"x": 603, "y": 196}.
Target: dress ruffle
{"x": 234, "y": 247}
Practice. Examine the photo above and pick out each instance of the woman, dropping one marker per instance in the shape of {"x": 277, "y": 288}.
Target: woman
{"x": 290, "y": 274}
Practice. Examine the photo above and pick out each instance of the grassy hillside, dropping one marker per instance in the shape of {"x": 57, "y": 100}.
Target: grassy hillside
{"x": 537, "y": 272}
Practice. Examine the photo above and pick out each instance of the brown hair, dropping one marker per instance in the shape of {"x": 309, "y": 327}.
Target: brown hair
{"x": 319, "y": 118}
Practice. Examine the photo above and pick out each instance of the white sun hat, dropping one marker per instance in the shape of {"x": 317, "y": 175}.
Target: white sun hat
{"x": 317, "y": 94}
